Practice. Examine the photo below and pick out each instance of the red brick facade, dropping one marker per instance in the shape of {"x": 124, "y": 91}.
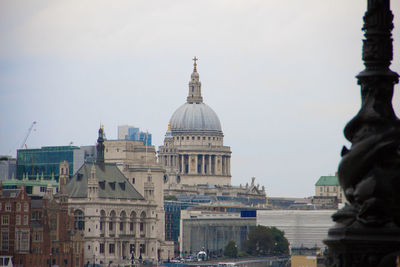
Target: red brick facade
{"x": 38, "y": 231}
{"x": 14, "y": 220}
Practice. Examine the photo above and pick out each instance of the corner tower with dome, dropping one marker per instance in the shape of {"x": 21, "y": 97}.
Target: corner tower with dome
{"x": 193, "y": 152}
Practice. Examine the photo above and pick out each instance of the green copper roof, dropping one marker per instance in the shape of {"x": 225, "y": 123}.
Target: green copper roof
{"x": 112, "y": 183}
{"x": 41, "y": 183}
{"x": 327, "y": 180}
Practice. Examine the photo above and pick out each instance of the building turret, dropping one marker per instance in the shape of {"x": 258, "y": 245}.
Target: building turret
{"x": 195, "y": 86}
{"x": 100, "y": 146}
{"x": 93, "y": 184}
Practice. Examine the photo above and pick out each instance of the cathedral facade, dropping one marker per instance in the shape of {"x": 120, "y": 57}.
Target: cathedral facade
{"x": 193, "y": 152}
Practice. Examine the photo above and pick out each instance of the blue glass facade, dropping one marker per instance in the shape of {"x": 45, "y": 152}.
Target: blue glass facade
{"x": 135, "y": 135}
{"x": 44, "y": 161}
{"x": 172, "y": 218}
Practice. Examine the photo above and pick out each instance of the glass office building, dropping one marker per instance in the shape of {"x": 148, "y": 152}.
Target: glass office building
{"x": 44, "y": 162}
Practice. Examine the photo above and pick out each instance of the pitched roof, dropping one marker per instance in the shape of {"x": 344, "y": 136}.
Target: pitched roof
{"x": 11, "y": 193}
{"x": 112, "y": 183}
{"x": 327, "y": 180}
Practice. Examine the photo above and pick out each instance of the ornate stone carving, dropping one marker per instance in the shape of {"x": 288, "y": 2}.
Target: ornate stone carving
{"x": 368, "y": 227}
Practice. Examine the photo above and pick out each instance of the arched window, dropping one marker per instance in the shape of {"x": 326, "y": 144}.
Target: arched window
{"x": 79, "y": 220}
{"x": 122, "y": 223}
{"x": 111, "y": 224}
{"x": 26, "y": 206}
{"x": 142, "y": 225}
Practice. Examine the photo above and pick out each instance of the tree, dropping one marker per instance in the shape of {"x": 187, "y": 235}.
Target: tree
{"x": 264, "y": 240}
{"x": 231, "y": 250}
{"x": 170, "y": 197}
{"x": 281, "y": 244}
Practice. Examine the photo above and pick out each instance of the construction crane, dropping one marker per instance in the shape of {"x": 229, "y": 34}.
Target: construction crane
{"x": 27, "y": 134}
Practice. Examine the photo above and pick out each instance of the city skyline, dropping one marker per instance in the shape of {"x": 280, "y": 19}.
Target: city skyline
{"x": 280, "y": 76}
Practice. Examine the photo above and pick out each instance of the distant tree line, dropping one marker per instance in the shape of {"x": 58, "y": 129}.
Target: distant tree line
{"x": 261, "y": 241}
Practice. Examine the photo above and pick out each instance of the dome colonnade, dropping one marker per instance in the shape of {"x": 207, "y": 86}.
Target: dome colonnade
{"x": 193, "y": 151}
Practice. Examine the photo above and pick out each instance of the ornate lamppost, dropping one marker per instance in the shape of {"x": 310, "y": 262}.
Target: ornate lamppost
{"x": 367, "y": 229}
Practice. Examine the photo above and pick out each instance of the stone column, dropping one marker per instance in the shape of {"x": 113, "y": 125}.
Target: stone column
{"x": 117, "y": 221}
{"x": 106, "y": 226}
{"x": 229, "y": 165}
{"x": 209, "y": 164}
{"x": 196, "y": 164}
{"x": 182, "y": 163}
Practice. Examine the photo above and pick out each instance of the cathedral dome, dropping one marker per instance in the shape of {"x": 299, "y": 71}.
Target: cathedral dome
{"x": 195, "y": 117}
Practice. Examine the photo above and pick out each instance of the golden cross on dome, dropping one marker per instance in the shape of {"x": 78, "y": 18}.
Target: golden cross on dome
{"x": 195, "y": 64}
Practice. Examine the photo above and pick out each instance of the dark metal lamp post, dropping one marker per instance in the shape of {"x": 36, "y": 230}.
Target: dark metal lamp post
{"x": 367, "y": 229}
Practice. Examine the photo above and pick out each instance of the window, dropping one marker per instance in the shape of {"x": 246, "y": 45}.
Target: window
{"x": 192, "y": 137}
{"x": 121, "y": 226}
{"x": 4, "y": 240}
{"x": 111, "y": 249}
{"x": 8, "y": 206}
{"x": 131, "y": 226}
{"x": 141, "y": 227}
{"x": 79, "y": 220}
{"x": 37, "y": 236}
{"x": 142, "y": 248}
{"x": 22, "y": 241}
{"x": 198, "y": 137}
{"x": 133, "y": 180}
{"x": 42, "y": 189}
{"x": 187, "y": 137}
{"x": 26, "y": 207}
{"x": 18, "y": 206}
{"x": 101, "y": 248}
{"x": 204, "y": 138}
{"x": 320, "y": 189}
{"x": 18, "y": 220}
{"x": 5, "y": 220}
{"x": 110, "y": 226}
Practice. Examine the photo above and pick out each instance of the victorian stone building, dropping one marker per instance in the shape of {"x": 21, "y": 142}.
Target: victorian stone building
{"x": 118, "y": 223}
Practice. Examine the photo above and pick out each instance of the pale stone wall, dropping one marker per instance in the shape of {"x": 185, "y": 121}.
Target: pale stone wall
{"x": 195, "y": 159}
{"x": 97, "y": 229}
{"x": 331, "y": 191}
{"x": 139, "y": 164}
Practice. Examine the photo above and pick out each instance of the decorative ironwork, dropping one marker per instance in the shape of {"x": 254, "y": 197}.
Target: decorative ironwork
{"x": 367, "y": 229}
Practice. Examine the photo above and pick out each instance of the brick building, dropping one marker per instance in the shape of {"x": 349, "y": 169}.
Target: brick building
{"x": 53, "y": 236}
{"x": 38, "y": 231}
{"x": 15, "y": 229}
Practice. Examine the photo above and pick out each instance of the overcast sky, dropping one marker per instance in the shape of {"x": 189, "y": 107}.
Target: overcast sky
{"x": 280, "y": 74}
